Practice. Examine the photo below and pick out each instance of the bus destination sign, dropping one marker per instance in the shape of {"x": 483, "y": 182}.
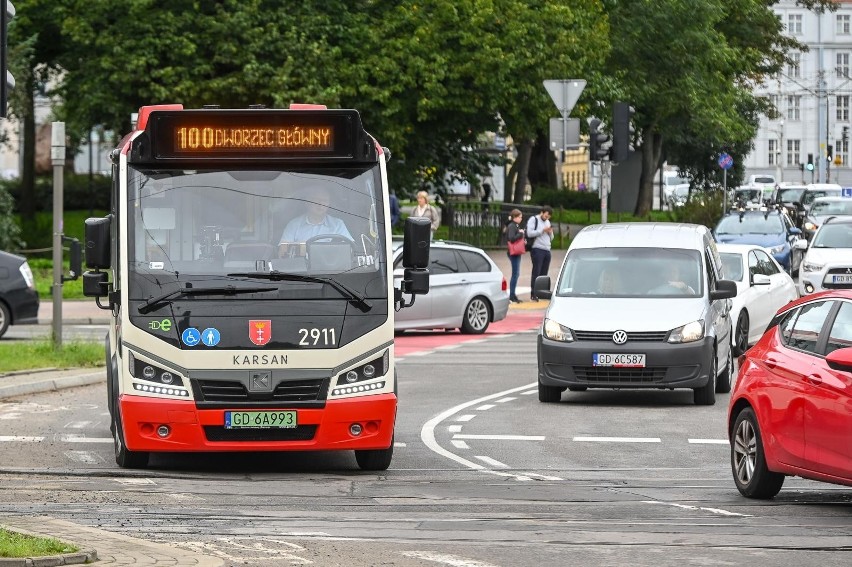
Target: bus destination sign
{"x": 209, "y": 138}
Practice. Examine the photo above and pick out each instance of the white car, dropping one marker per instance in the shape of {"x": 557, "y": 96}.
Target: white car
{"x": 763, "y": 287}
{"x": 828, "y": 261}
{"x": 467, "y": 291}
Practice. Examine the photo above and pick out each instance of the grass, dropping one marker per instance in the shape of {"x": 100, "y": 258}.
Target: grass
{"x": 41, "y": 354}
{"x": 14, "y": 544}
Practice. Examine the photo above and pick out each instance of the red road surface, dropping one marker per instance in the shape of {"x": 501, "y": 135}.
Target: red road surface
{"x": 412, "y": 342}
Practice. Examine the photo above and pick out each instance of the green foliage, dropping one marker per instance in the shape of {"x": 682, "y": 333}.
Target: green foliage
{"x": 78, "y": 191}
{"x": 38, "y": 233}
{"x": 578, "y": 200}
{"x": 43, "y": 354}
{"x": 10, "y": 232}
{"x": 15, "y": 544}
{"x": 701, "y": 208}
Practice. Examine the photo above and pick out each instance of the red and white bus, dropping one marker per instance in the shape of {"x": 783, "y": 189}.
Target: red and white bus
{"x": 245, "y": 264}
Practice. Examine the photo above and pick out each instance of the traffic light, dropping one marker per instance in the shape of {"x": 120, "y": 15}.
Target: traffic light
{"x": 596, "y": 141}
{"x": 830, "y": 153}
{"x": 7, "y": 81}
{"x": 621, "y": 135}
{"x": 810, "y": 166}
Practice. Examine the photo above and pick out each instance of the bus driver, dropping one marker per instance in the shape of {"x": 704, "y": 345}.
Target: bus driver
{"x": 314, "y": 222}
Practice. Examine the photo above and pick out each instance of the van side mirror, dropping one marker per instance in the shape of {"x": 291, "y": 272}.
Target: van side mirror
{"x": 542, "y": 287}
{"x": 98, "y": 243}
{"x": 725, "y": 289}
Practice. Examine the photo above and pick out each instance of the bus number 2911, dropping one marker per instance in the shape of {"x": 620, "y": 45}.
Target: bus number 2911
{"x": 314, "y": 337}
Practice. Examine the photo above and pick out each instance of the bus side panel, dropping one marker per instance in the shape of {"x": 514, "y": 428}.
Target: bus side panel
{"x": 142, "y": 416}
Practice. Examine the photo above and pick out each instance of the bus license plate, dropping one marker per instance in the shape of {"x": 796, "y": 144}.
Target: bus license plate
{"x": 260, "y": 419}
{"x": 619, "y": 360}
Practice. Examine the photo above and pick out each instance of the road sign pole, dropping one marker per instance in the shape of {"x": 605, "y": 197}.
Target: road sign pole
{"x": 57, "y": 156}
{"x": 724, "y": 190}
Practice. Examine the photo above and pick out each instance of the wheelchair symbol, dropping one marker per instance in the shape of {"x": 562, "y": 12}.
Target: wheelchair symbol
{"x": 191, "y": 337}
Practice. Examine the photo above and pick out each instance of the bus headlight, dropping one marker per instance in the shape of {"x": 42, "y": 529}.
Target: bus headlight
{"x": 352, "y": 381}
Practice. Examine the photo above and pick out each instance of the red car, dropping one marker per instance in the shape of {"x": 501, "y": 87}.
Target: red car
{"x": 791, "y": 409}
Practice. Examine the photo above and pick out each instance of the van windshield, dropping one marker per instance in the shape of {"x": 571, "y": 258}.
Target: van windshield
{"x": 631, "y": 272}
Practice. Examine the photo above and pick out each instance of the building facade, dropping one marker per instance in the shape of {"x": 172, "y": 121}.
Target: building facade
{"x": 812, "y": 94}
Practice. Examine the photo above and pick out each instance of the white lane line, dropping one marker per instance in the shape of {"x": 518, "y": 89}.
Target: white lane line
{"x": 460, "y": 444}
{"x": 504, "y": 400}
{"x": 72, "y": 438}
{"x": 83, "y": 457}
{"x": 620, "y": 439}
{"x": 21, "y": 438}
{"x": 485, "y": 407}
{"x": 544, "y": 476}
{"x": 530, "y": 393}
{"x": 688, "y": 507}
{"x": 427, "y": 432}
{"x": 492, "y": 462}
{"x": 135, "y": 481}
{"x": 467, "y": 417}
{"x": 455, "y": 428}
{"x": 501, "y": 437}
{"x": 710, "y": 441}
{"x": 78, "y": 424}
{"x": 399, "y": 444}
{"x": 446, "y": 559}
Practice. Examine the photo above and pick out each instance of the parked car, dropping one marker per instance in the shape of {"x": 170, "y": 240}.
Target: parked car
{"x": 467, "y": 291}
{"x": 816, "y": 190}
{"x": 769, "y": 227}
{"x": 822, "y": 208}
{"x": 789, "y": 411}
{"x": 637, "y": 305}
{"x": 18, "y": 298}
{"x": 763, "y": 287}
{"x": 828, "y": 261}
{"x": 671, "y": 182}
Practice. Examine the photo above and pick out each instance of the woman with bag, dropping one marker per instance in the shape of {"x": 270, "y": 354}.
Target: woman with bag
{"x": 516, "y": 243}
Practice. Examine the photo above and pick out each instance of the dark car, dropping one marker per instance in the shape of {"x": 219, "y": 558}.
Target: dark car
{"x": 767, "y": 227}
{"x": 18, "y": 297}
{"x": 789, "y": 411}
{"x": 792, "y": 197}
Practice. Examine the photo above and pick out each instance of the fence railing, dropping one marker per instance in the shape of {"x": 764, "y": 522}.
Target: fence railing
{"x": 481, "y": 224}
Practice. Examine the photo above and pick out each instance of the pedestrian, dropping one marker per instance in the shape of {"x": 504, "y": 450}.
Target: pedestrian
{"x": 515, "y": 242}
{"x": 539, "y": 229}
{"x": 486, "y": 193}
{"x": 394, "y": 209}
{"x": 427, "y": 211}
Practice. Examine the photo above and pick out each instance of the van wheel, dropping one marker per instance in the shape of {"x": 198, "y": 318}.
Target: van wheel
{"x": 549, "y": 394}
{"x": 476, "y": 317}
{"x": 723, "y": 382}
{"x": 375, "y": 459}
{"x": 706, "y": 394}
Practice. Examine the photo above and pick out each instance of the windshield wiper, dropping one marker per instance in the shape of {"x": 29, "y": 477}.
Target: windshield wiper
{"x": 185, "y": 291}
{"x": 353, "y": 296}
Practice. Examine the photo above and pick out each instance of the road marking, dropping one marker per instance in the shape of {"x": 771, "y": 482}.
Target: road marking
{"x": 446, "y": 559}
{"x": 135, "y": 481}
{"x": 460, "y": 444}
{"x": 485, "y": 407}
{"x": 447, "y": 347}
{"x": 620, "y": 439}
{"x": 78, "y": 424}
{"x": 454, "y": 428}
{"x": 73, "y": 438}
{"x": 504, "y": 400}
{"x": 710, "y": 441}
{"x": 492, "y": 462}
{"x": 22, "y": 438}
{"x": 399, "y": 444}
{"x": 529, "y": 393}
{"x": 545, "y": 477}
{"x": 467, "y": 417}
{"x": 688, "y": 507}
{"x": 83, "y": 457}
{"x": 501, "y": 437}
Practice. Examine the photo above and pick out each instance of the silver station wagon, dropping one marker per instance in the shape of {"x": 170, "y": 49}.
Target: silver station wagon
{"x": 637, "y": 305}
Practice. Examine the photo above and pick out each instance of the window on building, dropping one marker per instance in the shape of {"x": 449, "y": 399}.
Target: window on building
{"x": 774, "y": 152}
{"x": 842, "y": 64}
{"x": 794, "y": 65}
{"x": 841, "y": 149}
{"x": 794, "y": 148}
{"x": 842, "y": 24}
{"x": 793, "y": 105}
{"x": 843, "y": 108}
{"x": 794, "y": 24}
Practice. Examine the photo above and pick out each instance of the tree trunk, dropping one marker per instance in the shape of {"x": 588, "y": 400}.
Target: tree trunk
{"x": 524, "y": 147}
{"x": 651, "y": 150}
{"x": 543, "y": 165}
{"x": 509, "y": 183}
{"x": 26, "y": 199}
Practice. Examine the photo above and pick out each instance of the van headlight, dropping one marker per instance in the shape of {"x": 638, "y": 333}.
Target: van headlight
{"x": 811, "y": 267}
{"x": 556, "y": 332}
{"x": 690, "y": 332}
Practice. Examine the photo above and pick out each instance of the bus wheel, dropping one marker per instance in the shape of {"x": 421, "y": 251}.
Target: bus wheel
{"x": 124, "y": 457}
{"x": 375, "y": 459}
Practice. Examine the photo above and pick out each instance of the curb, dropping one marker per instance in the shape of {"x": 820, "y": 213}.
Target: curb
{"x": 51, "y": 384}
{"x": 74, "y": 558}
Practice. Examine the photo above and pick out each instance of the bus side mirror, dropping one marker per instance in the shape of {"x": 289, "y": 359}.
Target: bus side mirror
{"x": 95, "y": 284}
{"x": 98, "y": 243}
{"x": 415, "y": 247}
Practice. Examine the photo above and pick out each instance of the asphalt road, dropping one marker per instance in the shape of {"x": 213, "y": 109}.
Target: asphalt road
{"x": 483, "y": 475}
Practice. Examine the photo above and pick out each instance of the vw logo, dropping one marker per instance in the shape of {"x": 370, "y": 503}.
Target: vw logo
{"x": 619, "y": 337}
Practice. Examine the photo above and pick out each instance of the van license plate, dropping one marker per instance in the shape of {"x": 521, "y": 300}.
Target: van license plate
{"x": 619, "y": 360}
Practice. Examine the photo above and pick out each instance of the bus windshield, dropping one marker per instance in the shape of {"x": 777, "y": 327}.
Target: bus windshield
{"x": 218, "y": 227}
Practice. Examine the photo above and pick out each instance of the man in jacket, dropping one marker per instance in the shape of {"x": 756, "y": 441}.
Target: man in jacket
{"x": 538, "y": 227}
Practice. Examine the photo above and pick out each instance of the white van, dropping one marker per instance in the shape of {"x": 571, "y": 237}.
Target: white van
{"x": 637, "y": 305}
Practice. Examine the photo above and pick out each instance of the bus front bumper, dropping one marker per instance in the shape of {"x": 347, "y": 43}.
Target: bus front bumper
{"x": 191, "y": 429}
